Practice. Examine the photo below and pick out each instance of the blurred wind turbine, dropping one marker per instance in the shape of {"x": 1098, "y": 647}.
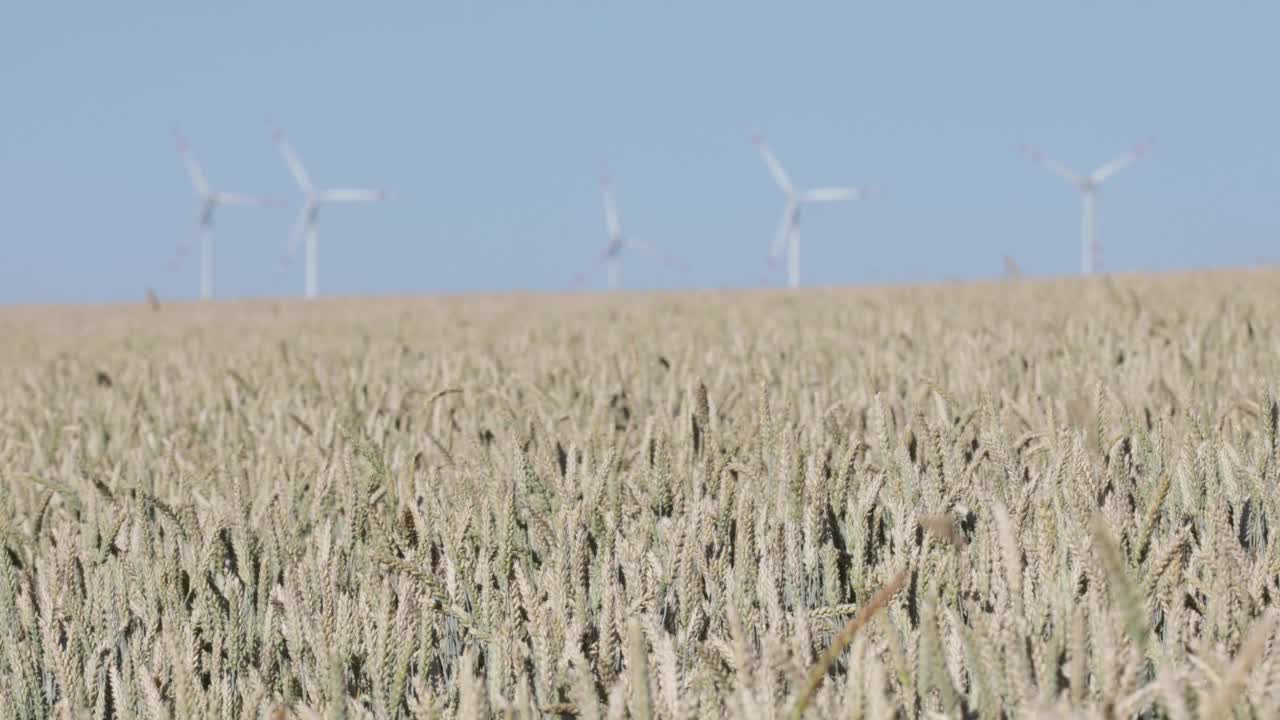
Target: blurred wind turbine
{"x": 1088, "y": 186}
{"x": 789, "y": 230}
{"x": 1011, "y": 269}
{"x": 618, "y": 242}
{"x": 308, "y": 218}
{"x": 209, "y": 202}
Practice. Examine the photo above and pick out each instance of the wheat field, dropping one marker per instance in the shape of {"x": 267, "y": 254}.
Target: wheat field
{"x": 1039, "y": 498}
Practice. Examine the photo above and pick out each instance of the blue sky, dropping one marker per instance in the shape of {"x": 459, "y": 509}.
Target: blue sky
{"x": 489, "y": 121}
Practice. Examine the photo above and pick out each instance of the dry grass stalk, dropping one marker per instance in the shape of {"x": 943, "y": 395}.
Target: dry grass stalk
{"x": 833, "y": 652}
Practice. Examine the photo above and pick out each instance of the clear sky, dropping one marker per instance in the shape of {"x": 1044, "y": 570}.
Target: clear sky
{"x": 489, "y": 121}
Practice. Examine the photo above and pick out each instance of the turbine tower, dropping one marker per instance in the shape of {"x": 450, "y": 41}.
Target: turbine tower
{"x": 308, "y": 218}
{"x": 618, "y": 242}
{"x": 1088, "y": 186}
{"x": 789, "y": 229}
{"x": 209, "y": 202}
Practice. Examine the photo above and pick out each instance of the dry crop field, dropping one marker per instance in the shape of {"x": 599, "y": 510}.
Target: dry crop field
{"x": 1006, "y": 500}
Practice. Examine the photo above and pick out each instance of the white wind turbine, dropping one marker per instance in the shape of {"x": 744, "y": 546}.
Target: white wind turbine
{"x": 1088, "y": 186}
{"x": 789, "y": 229}
{"x": 618, "y": 242}
{"x": 209, "y": 202}
{"x": 307, "y": 223}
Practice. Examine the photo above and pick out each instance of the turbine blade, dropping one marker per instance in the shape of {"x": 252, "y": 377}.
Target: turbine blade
{"x": 225, "y": 198}
{"x": 353, "y": 196}
{"x": 293, "y": 161}
{"x": 766, "y": 273}
{"x": 1050, "y": 164}
{"x": 775, "y": 167}
{"x": 189, "y": 159}
{"x": 300, "y": 227}
{"x": 579, "y": 278}
{"x": 180, "y": 253}
{"x": 611, "y": 219}
{"x": 1118, "y": 164}
{"x": 185, "y": 246}
{"x": 826, "y": 195}
{"x": 785, "y": 228}
{"x": 285, "y": 263}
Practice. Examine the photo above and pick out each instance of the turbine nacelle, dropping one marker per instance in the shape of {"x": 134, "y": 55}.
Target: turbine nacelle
{"x": 206, "y": 211}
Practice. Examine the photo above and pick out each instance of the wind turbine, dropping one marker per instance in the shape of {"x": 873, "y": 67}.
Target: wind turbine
{"x": 209, "y": 202}
{"x": 789, "y": 229}
{"x": 1088, "y": 186}
{"x": 1011, "y": 269}
{"x": 308, "y": 218}
{"x": 618, "y": 242}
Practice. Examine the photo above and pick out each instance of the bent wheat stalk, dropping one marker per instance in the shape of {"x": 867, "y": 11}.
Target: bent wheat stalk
{"x": 819, "y": 671}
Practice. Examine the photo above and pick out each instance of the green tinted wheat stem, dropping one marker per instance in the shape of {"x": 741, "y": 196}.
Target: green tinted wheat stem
{"x": 1124, "y": 594}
